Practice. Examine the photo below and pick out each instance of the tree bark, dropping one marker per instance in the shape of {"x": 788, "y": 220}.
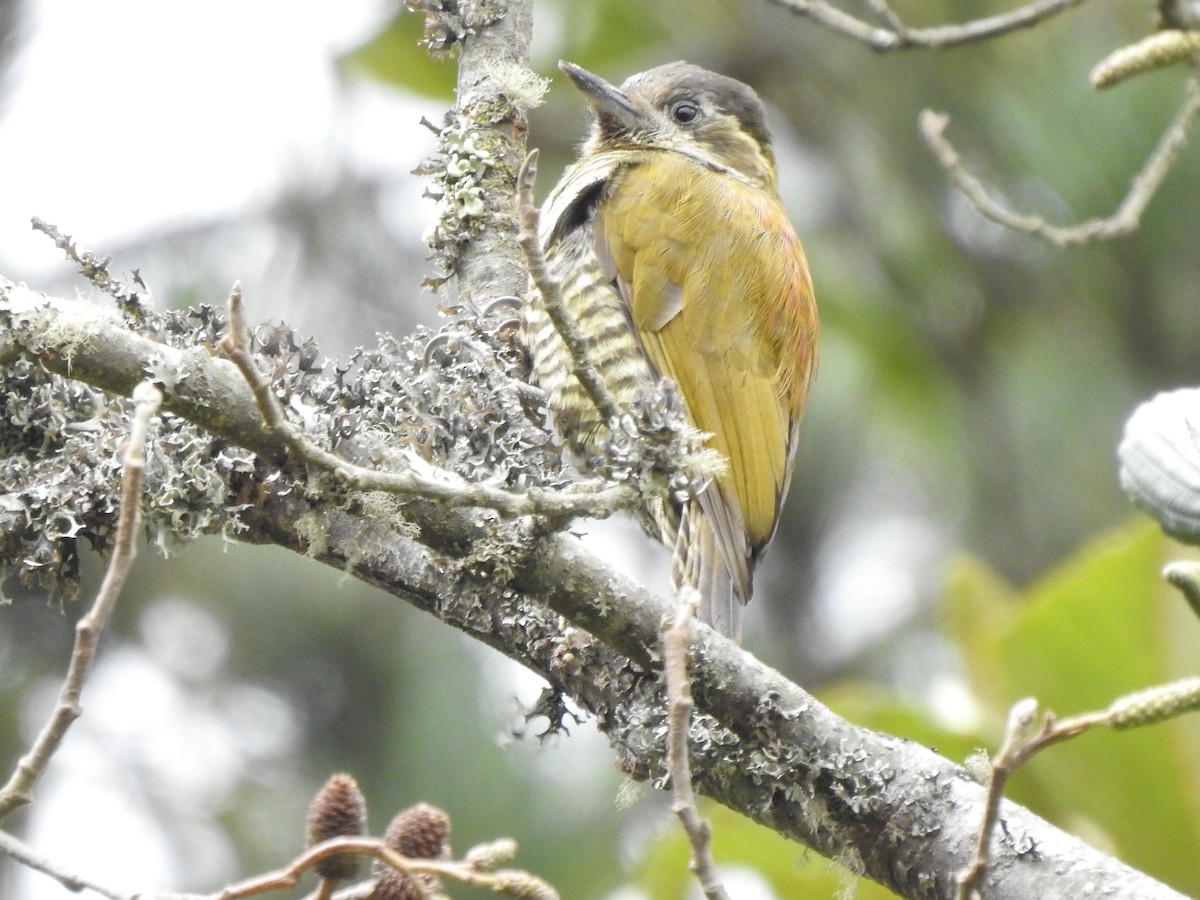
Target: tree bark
{"x": 895, "y": 811}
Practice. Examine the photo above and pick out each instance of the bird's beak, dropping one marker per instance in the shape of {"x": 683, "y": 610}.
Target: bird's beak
{"x": 605, "y": 99}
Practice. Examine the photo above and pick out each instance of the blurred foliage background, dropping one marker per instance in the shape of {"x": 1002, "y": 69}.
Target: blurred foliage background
{"x": 954, "y": 539}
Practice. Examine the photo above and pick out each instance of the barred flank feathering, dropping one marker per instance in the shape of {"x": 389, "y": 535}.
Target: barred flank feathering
{"x": 600, "y": 314}
{"x": 677, "y": 261}
{"x": 615, "y": 352}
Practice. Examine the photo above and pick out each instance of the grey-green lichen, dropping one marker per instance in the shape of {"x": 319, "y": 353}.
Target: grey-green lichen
{"x": 462, "y": 170}
{"x": 60, "y": 467}
{"x": 67, "y": 334}
{"x": 518, "y": 89}
{"x": 448, "y": 22}
{"x": 654, "y": 447}
{"x": 456, "y": 398}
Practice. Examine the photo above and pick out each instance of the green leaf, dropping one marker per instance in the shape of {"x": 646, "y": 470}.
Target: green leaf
{"x": 596, "y": 35}
{"x": 395, "y": 56}
{"x": 608, "y": 31}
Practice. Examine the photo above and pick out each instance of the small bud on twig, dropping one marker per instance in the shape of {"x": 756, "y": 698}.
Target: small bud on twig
{"x": 490, "y": 856}
{"x": 515, "y": 883}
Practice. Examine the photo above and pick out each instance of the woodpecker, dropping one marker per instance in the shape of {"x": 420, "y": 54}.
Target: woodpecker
{"x": 677, "y": 260}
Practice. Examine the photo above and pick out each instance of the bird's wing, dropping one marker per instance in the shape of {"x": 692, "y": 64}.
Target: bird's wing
{"x": 720, "y": 295}
{"x": 576, "y": 192}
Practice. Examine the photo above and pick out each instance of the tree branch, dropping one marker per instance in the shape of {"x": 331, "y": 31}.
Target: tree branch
{"x": 90, "y": 343}
{"x": 482, "y": 143}
{"x": 760, "y": 744}
{"x": 1128, "y": 215}
{"x": 898, "y": 36}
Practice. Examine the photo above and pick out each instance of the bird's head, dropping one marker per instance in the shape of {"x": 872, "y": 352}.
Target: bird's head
{"x": 683, "y": 108}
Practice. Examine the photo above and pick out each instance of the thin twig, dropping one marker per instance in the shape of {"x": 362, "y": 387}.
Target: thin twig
{"x": 898, "y": 36}
{"x": 1018, "y": 747}
{"x": 598, "y": 499}
{"x": 679, "y": 716}
{"x": 19, "y": 789}
{"x": 132, "y": 300}
{"x": 1020, "y": 719}
{"x": 1185, "y": 575}
{"x": 289, "y": 876}
{"x": 1128, "y": 215}
{"x": 551, "y": 291}
{"x": 460, "y": 870}
{"x": 18, "y": 851}
{"x": 1022, "y": 743}
{"x": 890, "y": 17}
{"x": 92, "y": 268}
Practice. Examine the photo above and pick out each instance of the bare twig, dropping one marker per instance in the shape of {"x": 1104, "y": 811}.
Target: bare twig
{"x": 551, "y": 291}
{"x": 679, "y": 697}
{"x": 1185, "y": 576}
{"x": 597, "y": 499}
{"x": 1019, "y": 745}
{"x": 502, "y": 880}
{"x": 19, "y": 789}
{"x": 289, "y": 876}
{"x": 898, "y": 36}
{"x": 91, "y": 267}
{"x": 1022, "y": 742}
{"x": 18, "y": 851}
{"x": 1128, "y": 215}
{"x": 95, "y": 270}
{"x": 890, "y": 17}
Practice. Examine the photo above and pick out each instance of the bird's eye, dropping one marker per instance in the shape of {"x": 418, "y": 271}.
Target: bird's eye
{"x": 685, "y": 113}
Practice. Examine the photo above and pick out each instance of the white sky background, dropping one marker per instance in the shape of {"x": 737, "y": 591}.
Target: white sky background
{"x": 127, "y": 115}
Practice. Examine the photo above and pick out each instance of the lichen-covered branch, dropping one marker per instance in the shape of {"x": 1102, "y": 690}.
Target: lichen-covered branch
{"x": 450, "y": 426}
{"x": 761, "y": 745}
{"x": 891, "y": 809}
{"x": 481, "y": 144}
{"x": 408, "y": 480}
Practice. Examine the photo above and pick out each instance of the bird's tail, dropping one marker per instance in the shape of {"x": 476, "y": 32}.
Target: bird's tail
{"x": 699, "y": 563}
